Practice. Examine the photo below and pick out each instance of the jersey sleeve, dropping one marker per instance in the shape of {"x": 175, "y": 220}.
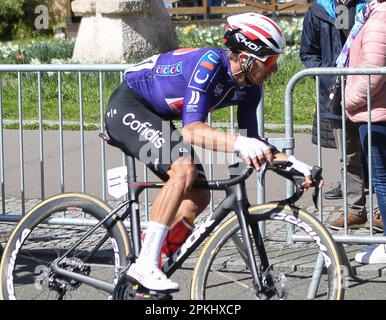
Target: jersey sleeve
{"x": 196, "y": 106}
{"x": 201, "y": 79}
{"x": 246, "y": 113}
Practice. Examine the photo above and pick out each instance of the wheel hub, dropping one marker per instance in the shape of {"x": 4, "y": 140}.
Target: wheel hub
{"x": 275, "y": 284}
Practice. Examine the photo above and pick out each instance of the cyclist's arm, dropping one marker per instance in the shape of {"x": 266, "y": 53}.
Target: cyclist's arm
{"x": 253, "y": 151}
{"x": 205, "y": 136}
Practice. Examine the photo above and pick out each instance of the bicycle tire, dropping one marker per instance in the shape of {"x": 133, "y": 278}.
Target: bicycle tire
{"x": 220, "y": 270}
{"x": 34, "y": 244}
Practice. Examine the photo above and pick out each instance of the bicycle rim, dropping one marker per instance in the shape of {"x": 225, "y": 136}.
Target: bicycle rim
{"x": 222, "y": 269}
{"x": 26, "y": 265}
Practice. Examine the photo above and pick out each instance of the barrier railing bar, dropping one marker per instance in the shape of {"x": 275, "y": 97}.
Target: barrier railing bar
{"x": 41, "y": 138}
{"x": 260, "y": 197}
{"x": 344, "y": 157}
{"x": 344, "y": 239}
{"x": 2, "y": 164}
{"x": 21, "y": 141}
{"x": 370, "y": 160}
{"x": 103, "y": 145}
{"x": 210, "y": 174}
{"x": 62, "y": 67}
{"x": 320, "y": 164}
{"x": 232, "y": 128}
{"x": 260, "y": 188}
{"x": 124, "y": 159}
{"x": 81, "y": 132}
{"x": 61, "y": 135}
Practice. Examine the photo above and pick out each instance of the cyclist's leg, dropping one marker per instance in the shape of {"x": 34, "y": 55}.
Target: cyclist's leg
{"x": 195, "y": 202}
{"x": 182, "y": 175}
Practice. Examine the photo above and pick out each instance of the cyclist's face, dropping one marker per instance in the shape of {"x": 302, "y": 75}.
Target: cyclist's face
{"x": 259, "y": 72}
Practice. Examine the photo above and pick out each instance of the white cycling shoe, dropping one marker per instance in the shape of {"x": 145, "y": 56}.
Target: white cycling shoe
{"x": 151, "y": 278}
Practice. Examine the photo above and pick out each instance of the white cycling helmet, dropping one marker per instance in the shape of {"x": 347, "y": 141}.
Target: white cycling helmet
{"x": 254, "y": 33}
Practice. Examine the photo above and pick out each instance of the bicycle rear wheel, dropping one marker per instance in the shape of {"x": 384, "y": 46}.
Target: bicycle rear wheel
{"x": 222, "y": 268}
{"x": 47, "y": 232}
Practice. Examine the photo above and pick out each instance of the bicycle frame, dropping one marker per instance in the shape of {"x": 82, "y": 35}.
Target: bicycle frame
{"x": 236, "y": 200}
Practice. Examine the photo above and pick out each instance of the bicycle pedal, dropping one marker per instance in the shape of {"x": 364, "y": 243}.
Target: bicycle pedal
{"x": 130, "y": 291}
{"x": 145, "y": 294}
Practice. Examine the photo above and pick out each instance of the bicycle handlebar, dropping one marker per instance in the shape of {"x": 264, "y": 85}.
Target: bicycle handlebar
{"x": 282, "y": 168}
{"x": 223, "y": 184}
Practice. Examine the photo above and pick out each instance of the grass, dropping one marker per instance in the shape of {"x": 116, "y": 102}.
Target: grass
{"x": 44, "y": 50}
{"x": 304, "y": 98}
{"x": 50, "y": 100}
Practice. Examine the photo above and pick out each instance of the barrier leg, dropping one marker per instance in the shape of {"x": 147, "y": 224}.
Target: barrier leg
{"x": 316, "y": 277}
{"x": 347, "y": 264}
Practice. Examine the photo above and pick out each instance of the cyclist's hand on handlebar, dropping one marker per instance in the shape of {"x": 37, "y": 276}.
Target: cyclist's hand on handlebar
{"x": 306, "y": 170}
{"x": 253, "y": 151}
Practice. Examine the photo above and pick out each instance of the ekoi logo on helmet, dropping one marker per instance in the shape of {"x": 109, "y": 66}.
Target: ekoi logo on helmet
{"x": 249, "y": 44}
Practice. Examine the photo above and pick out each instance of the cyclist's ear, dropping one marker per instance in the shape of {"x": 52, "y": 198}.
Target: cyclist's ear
{"x": 242, "y": 58}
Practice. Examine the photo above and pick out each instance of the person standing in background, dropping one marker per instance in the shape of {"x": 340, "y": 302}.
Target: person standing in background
{"x": 325, "y": 29}
{"x": 368, "y": 50}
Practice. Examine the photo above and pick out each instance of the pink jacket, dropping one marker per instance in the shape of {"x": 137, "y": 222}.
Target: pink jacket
{"x": 368, "y": 50}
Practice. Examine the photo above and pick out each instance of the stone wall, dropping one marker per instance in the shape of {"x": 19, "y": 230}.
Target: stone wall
{"x": 122, "y": 30}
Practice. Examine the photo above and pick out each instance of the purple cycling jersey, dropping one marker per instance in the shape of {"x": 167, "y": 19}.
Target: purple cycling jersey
{"x": 190, "y": 83}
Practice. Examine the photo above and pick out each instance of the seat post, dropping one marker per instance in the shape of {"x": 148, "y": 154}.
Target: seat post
{"x": 131, "y": 173}
{"x": 135, "y": 220}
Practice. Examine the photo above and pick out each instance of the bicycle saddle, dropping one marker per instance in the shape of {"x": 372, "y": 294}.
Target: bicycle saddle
{"x": 105, "y": 137}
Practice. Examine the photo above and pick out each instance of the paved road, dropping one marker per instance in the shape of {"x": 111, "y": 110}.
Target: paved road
{"x": 374, "y": 288}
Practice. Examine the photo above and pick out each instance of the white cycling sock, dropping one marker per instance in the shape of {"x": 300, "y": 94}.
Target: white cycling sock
{"x": 155, "y": 236}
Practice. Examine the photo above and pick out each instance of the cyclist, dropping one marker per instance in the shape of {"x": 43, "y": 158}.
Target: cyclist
{"x": 187, "y": 84}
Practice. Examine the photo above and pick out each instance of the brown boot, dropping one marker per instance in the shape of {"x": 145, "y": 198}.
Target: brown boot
{"x": 377, "y": 221}
{"x": 354, "y": 221}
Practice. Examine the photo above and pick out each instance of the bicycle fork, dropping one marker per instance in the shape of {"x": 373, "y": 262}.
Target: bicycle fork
{"x": 241, "y": 209}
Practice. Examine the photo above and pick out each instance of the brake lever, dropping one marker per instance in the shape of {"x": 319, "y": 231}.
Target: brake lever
{"x": 316, "y": 175}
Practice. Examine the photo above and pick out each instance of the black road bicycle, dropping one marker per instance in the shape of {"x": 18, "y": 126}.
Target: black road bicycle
{"x": 74, "y": 246}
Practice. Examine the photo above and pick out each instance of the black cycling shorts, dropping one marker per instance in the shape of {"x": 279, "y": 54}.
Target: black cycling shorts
{"x": 139, "y": 132}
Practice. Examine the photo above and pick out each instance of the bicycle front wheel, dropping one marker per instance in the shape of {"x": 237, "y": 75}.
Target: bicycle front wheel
{"x": 222, "y": 268}
{"x": 46, "y": 233}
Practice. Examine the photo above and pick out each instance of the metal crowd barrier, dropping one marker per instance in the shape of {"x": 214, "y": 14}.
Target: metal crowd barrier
{"x": 345, "y": 238}
{"x": 79, "y": 70}
{"x": 40, "y": 70}
{"x": 341, "y": 72}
